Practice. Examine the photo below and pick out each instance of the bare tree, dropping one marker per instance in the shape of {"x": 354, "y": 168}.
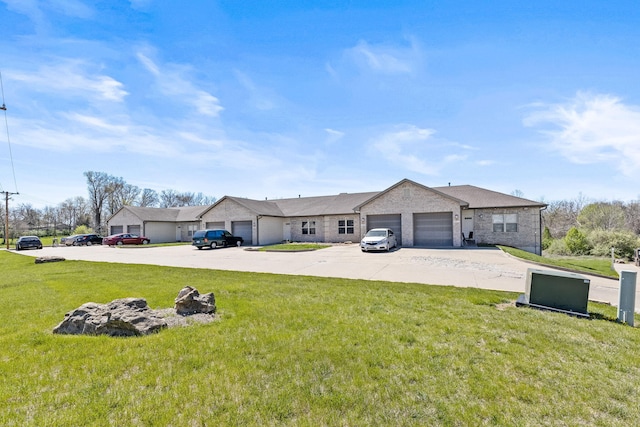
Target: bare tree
{"x": 561, "y": 215}
{"x": 169, "y": 199}
{"x": 148, "y": 198}
{"x": 98, "y": 186}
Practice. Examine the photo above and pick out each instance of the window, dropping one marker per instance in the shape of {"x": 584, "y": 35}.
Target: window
{"x": 191, "y": 229}
{"x": 505, "y": 223}
{"x": 308, "y": 227}
{"x": 345, "y": 226}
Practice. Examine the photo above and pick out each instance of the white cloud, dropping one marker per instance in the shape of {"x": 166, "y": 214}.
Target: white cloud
{"x": 71, "y": 78}
{"x": 592, "y": 128}
{"x": 171, "y": 80}
{"x": 385, "y": 59}
{"x": 405, "y": 148}
{"x": 333, "y": 136}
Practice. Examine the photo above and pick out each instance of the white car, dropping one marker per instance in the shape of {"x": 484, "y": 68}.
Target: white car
{"x": 378, "y": 239}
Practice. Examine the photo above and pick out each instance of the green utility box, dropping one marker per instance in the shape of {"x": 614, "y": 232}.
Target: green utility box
{"x": 557, "y": 291}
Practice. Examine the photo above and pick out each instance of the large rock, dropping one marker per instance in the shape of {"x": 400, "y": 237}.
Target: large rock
{"x": 122, "y": 317}
{"x": 45, "y": 259}
{"x": 189, "y": 301}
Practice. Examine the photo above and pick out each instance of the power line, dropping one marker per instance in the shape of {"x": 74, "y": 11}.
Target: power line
{"x": 6, "y": 123}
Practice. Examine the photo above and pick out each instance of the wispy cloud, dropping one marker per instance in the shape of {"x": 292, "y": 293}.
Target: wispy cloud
{"x": 385, "y": 59}
{"x": 72, "y": 78}
{"x": 407, "y": 148}
{"x": 333, "y": 136}
{"x": 172, "y": 82}
{"x": 592, "y": 128}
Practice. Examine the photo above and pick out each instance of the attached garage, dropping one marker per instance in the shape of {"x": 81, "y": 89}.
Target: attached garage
{"x": 133, "y": 229}
{"x": 433, "y": 229}
{"x": 392, "y": 221}
{"x": 116, "y": 229}
{"x": 219, "y": 225}
{"x": 243, "y": 229}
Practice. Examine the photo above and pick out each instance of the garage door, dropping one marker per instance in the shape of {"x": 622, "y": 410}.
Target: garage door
{"x": 116, "y": 229}
{"x": 215, "y": 225}
{"x": 392, "y": 221}
{"x": 133, "y": 229}
{"x": 244, "y": 230}
{"x": 433, "y": 229}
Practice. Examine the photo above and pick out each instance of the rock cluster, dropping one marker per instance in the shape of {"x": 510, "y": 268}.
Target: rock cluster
{"x": 189, "y": 301}
{"x": 45, "y": 259}
{"x": 119, "y": 318}
{"x": 132, "y": 316}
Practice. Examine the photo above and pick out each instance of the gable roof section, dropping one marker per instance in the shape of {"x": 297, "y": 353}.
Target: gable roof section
{"x": 186, "y": 213}
{"x": 434, "y": 190}
{"x": 340, "y": 204}
{"x": 478, "y": 197}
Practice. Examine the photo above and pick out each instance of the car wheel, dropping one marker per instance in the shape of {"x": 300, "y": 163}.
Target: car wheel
{"x": 145, "y": 242}
{"x": 89, "y": 243}
{"x": 119, "y": 243}
{"x": 213, "y": 245}
{"x": 239, "y": 243}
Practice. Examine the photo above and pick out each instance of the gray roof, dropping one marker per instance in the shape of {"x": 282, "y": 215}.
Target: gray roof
{"x": 186, "y": 213}
{"x": 339, "y": 204}
{"x": 478, "y": 197}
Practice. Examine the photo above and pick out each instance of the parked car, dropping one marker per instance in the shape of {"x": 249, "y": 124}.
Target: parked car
{"x": 69, "y": 240}
{"x": 125, "y": 239}
{"x": 88, "y": 240}
{"x": 378, "y": 239}
{"x": 215, "y": 238}
{"x": 28, "y": 242}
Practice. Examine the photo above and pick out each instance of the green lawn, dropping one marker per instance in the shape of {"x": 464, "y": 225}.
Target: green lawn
{"x": 588, "y": 265}
{"x": 294, "y": 247}
{"x": 306, "y": 351}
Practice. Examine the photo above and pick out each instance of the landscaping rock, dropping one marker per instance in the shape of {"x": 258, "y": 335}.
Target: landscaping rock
{"x": 43, "y": 259}
{"x": 189, "y": 301}
{"x": 122, "y": 317}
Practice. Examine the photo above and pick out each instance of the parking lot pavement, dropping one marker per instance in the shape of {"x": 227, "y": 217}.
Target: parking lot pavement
{"x": 485, "y": 268}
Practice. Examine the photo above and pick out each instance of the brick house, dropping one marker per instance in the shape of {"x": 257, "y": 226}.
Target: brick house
{"x": 420, "y": 216}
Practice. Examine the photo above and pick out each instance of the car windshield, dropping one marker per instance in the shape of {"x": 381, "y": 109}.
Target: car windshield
{"x": 376, "y": 233}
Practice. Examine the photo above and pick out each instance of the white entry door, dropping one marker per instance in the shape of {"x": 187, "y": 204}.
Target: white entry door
{"x": 286, "y": 231}
{"x": 467, "y": 222}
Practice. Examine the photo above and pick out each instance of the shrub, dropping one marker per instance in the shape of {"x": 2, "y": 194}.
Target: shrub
{"x": 547, "y": 239}
{"x": 577, "y": 242}
{"x": 82, "y": 229}
{"x": 624, "y": 242}
{"x": 558, "y": 247}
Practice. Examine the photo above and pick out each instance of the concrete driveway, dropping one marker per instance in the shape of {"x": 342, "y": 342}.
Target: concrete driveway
{"x": 485, "y": 268}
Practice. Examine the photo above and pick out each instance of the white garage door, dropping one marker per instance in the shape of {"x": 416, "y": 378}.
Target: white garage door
{"x": 215, "y": 225}
{"x": 244, "y": 230}
{"x": 133, "y": 229}
{"x": 116, "y": 229}
{"x": 433, "y": 229}
{"x": 392, "y": 221}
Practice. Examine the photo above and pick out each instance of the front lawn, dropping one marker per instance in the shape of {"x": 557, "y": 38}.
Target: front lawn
{"x": 310, "y": 351}
{"x": 588, "y": 265}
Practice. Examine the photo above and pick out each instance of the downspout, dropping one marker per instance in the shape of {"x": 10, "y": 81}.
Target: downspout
{"x": 258, "y": 230}
{"x": 540, "y": 233}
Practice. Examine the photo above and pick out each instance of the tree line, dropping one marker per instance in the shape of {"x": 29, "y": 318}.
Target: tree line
{"x": 106, "y": 195}
{"x": 584, "y": 227}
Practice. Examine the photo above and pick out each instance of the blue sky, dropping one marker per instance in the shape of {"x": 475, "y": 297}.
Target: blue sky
{"x": 284, "y": 98}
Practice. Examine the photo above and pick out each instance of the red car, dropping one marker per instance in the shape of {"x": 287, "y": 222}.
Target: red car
{"x": 125, "y": 239}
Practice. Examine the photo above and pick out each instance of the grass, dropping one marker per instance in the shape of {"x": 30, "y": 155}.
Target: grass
{"x": 306, "y": 351}
{"x": 588, "y": 265}
{"x": 294, "y": 247}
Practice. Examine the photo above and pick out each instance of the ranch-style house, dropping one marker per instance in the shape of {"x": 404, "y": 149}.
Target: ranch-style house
{"x": 421, "y": 216}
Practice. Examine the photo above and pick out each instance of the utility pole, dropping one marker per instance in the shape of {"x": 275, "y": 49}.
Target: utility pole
{"x": 6, "y": 217}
